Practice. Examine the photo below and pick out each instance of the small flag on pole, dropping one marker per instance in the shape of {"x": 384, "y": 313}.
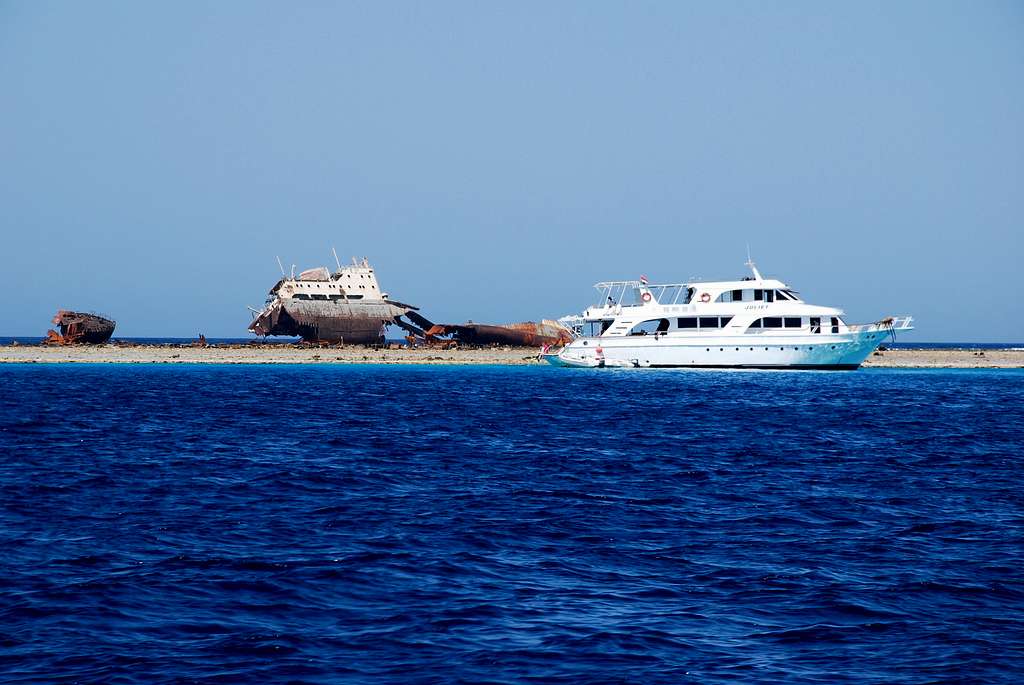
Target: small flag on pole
{"x": 643, "y": 280}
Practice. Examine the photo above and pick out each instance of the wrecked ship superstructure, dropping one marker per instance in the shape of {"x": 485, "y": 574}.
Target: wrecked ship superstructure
{"x": 346, "y": 306}
{"x": 80, "y": 327}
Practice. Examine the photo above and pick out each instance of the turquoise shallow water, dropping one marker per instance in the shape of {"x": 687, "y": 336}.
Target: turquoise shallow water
{"x": 494, "y": 524}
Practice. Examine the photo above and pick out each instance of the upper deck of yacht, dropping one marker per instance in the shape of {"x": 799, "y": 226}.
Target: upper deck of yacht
{"x": 747, "y": 304}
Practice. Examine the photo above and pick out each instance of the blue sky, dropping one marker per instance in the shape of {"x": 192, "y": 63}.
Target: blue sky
{"x": 495, "y": 160}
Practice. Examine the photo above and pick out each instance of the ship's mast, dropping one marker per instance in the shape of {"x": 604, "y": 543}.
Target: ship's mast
{"x": 753, "y": 268}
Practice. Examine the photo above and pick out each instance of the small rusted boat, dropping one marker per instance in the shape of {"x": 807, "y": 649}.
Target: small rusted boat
{"x": 80, "y": 327}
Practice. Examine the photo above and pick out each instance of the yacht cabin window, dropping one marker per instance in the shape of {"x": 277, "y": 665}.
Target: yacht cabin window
{"x": 704, "y": 322}
{"x": 649, "y": 327}
{"x": 731, "y": 296}
{"x": 784, "y": 322}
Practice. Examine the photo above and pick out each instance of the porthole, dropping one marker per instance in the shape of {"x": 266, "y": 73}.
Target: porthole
{"x": 721, "y": 349}
{"x": 584, "y": 342}
{"x": 708, "y": 349}
{"x": 833, "y": 347}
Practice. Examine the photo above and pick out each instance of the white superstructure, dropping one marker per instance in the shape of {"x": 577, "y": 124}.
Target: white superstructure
{"x": 755, "y": 322}
{"x": 350, "y": 283}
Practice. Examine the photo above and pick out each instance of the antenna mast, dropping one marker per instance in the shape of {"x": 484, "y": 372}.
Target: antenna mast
{"x": 336, "y": 260}
{"x": 750, "y": 263}
{"x": 280, "y": 266}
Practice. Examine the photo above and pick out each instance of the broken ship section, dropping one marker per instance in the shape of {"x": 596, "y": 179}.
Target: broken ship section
{"x": 346, "y": 306}
{"x": 525, "y": 334}
{"x": 79, "y": 327}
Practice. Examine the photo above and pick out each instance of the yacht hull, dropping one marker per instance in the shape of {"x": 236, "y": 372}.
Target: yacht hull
{"x": 821, "y": 351}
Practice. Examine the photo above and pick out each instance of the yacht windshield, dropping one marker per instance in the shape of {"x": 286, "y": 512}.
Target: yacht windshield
{"x": 632, "y": 293}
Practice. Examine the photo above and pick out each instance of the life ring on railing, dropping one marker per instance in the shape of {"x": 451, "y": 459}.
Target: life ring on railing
{"x": 705, "y": 298}
{"x": 646, "y": 297}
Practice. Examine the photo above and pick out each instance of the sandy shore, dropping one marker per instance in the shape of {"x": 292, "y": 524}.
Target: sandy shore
{"x": 261, "y": 354}
{"x": 286, "y": 354}
{"x": 947, "y": 359}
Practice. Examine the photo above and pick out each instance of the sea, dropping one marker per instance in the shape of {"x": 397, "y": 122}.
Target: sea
{"x": 462, "y": 524}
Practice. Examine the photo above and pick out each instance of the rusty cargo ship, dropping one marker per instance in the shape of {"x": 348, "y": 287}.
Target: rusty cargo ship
{"x": 343, "y": 306}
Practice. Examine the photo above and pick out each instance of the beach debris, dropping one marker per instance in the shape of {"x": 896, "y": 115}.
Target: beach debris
{"x": 79, "y": 327}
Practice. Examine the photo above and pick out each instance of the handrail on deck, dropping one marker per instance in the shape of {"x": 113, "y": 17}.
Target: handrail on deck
{"x": 892, "y": 323}
{"x": 604, "y": 285}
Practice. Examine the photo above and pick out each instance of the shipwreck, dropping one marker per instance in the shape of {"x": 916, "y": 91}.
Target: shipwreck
{"x": 80, "y": 327}
{"x": 524, "y": 334}
{"x": 343, "y": 306}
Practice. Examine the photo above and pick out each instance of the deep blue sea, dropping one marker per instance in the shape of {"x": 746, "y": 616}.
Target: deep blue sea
{"x": 337, "y": 524}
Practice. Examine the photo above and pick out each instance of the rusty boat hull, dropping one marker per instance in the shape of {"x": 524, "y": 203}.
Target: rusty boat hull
{"x": 331, "y": 321}
{"x": 524, "y": 334}
{"x": 82, "y": 327}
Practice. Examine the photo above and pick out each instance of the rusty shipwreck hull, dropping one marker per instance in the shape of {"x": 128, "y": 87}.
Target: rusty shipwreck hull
{"x": 316, "y": 321}
{"x": 526, "y": 334}
{"x": 80, "y": 327}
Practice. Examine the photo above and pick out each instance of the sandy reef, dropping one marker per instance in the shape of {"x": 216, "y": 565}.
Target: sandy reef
{"x": 262, "y": 354}
{"x": 287, "y": 354}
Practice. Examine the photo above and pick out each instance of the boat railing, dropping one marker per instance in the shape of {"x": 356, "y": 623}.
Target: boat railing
{"x": 891, "y": 323}
{"x": 628, "y": 293}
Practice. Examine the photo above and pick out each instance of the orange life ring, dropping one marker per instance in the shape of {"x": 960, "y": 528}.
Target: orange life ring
{"x": 705, "y": 298}
{"x": 646, "y": 297}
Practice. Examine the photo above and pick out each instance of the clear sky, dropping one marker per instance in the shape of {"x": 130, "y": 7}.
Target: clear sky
{"x": 494, "y": 160}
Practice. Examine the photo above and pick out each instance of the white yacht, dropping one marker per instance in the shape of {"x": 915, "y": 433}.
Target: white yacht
{"x": 756, "y": 322}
